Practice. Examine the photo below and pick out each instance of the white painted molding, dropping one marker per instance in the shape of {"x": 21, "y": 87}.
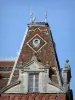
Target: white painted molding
{"x": 18, "y": 54}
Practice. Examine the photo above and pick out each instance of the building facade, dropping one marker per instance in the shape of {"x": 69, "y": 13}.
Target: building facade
{"x": 36, "y": 74}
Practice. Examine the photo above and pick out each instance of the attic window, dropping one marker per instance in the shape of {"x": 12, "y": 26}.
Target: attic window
{"x": 33, "y": 82}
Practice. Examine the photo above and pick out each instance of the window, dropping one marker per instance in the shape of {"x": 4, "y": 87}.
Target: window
{"x": 5, "y": 68}
{"x": 33, "y": 82}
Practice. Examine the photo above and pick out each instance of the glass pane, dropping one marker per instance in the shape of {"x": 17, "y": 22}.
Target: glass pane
{"x": 30, "y": 76}
{"x": 30, "y": 85}
{"x": 30, "y": 89}
{"x": 31, "y": 80}
{"x": 36, "y": 80}
{"x": 36, "y": 84}
{"x": 36, "y": 89}
{"x": 36, "y": 76}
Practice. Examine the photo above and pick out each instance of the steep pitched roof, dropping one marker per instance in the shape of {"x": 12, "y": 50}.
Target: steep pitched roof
{"x": 5, "y": 71}
{"x": 45, "y": 51}
{"x": 6, "y": 63}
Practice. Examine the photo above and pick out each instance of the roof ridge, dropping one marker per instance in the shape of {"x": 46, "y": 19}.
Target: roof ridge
{"x": 7, "y": 59}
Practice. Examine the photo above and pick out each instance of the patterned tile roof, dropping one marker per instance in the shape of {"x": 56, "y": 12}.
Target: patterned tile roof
{"x": 45, "y": 52}
{"x": 3, "y": 83}
{"x": 33, "y": 96}
{"x": 6, "y": 63}
{"x": 5, "y": 72}
{"x": 4, "y": 76}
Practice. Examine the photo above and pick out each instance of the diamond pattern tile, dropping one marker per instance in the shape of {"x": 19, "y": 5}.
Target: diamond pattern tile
{"x": 36, "y": 43}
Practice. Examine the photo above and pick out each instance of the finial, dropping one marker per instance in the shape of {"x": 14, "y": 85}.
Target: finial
{"x": 34, "y": 18}
{"x": 67, "y": 65}
{"x": 45, "y": 15}
{"x": 67, "y": 61}
{"x": 31, "y": 17}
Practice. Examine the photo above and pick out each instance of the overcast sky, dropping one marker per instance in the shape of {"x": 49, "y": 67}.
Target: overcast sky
{"x": 15, "y": 15}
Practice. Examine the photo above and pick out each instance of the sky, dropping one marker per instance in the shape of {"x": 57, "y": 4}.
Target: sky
{"x": 15, "y": 15}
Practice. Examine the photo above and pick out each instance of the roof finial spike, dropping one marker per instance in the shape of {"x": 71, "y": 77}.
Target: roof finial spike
{"x": 45, "y": 15}
{"x": 31, "y": 17}
{"x": 34, "y": 18}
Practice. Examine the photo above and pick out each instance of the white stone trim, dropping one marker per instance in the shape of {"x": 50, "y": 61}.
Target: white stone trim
{"x": 39, "y": 48}
{"x": 39, "y": 29}
{"x": 57, "y": 70}
{"x": 54, "y": 68}
{"x": 17, "y": 58}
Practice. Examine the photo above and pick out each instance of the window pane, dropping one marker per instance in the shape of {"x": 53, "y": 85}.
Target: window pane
{"x": 36, "y": 80}
{"x": 30, "y": 84}
{"x": 36, "y": 89}
{"x": 36, "y": 84}
{"x": 36, "y": 76}
{"x": 30, "y": 79}
{"x": 31, "y": 76}
{"x": 30, "y": 89}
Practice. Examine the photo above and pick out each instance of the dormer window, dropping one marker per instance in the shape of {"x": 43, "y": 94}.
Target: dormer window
{"x": 33, "y": 82}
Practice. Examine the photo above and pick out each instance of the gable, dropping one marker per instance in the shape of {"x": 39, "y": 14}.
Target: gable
{"x": 34, "y": 66}
{"x": 45, "y": 53}
{"x": 44, "y": 49}
{"x": 38, "y": 40}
